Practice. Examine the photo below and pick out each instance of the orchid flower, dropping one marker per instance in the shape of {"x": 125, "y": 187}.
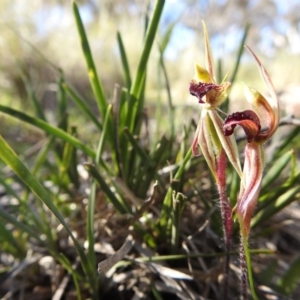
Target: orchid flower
{"x": 209, "y": 135}
{"x": 250, "y": 121}
{"x": 267, "y": 111}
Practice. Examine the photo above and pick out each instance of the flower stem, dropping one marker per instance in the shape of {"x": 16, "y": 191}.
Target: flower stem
{"x": 226, "y": 214}
{"x": 246, "y": 269}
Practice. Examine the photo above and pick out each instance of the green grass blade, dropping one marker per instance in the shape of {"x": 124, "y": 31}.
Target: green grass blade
{"x": 9, "y": 189}
{"x": 72, "y": 270}
{"x": 136, "y": 146}
{"x": 92, "y": 72}
{"x": 62, "y": 104}
{"x": 49, "y": 129}
{"x": 82, "y": 105}
{"x": 165, "y": 40}
{"x": 167, "y": 36}
{"x": 151, "y": 166}
{"x": 90, "y": 224}
{"x": 31, "y": 95}
{"x": 104, "y": 134}
{"x": 138, "y": 82}
{"x": 9, "y": 218}
{"x": 178, "y": 204}
{"x": 287, "y": 143}
{"x": 167, "y": 204}
{"x": 266, "y": 275}
{"x": 42, "y": 156}
{"x": 69, "y": 161}
{"x": 224, "y": 106}
{"x": 240, "y": 53}
{"x": 9, "y": 243}
{"x": 118, "y": 204}
{"x": 12, "y": 160}
{"x": 35, "y": 215}
{"x": 290, "y": 280}
{"x": 124, "y": 61}
{"x": 93, "y": 194}
{"x": 275, "y": 206}
{"x": 276, "y": 169}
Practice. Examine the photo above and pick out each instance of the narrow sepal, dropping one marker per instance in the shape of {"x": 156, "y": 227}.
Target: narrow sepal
{"x": 208, "y": 53}
{"x": 195, "y": 146}
{"x": 253, "y": 170}
{"x": 228, "y": 142}
{"x": 205, "y": 140}
{"x": 274, "y": 103}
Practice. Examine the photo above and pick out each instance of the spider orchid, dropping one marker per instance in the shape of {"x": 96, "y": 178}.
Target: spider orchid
{"x": 209, "y": 137}
{"x": 267, "y": 110}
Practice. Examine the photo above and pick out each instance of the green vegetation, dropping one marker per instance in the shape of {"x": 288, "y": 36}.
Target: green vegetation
{"x": 102, "y": 178}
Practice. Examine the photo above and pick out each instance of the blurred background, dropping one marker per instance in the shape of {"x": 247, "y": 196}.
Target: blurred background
{"x": 37, "y": 35}
{"x": 40, "y": 48}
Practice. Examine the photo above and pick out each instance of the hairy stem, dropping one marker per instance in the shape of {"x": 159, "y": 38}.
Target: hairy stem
{"x": 246, "y": 268}
{"x": 243, "y": 268}
{"x": 247, "y": 264}
{"x": 226, "y": 214}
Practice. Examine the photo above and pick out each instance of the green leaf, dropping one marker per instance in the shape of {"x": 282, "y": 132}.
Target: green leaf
{"x": 287, "y": 142}
{"x": 82, "y": 105}
{"x": 118, "y": 203}
{"x": 92, "y": 72}
{"x": 92, "y": 198}
{"x": 124, "y": 60}
{"x": 9, "y": 243}
{"x": 275, "y": 206}
{"x": 12, "y": 160}
{"x": 62, "y": 104}
{"x": 48, "y": 129}
{"x": 276, "y": 169}
{"x": 290, "y": 280}
{"x": 138, "y": 82}
{"x": 32, "y": 96}
{"x": 165, "y": 220}
{"x": 136, "y": 146}
{"x": 167, "y": 36}
{"x": 224, "y": 106}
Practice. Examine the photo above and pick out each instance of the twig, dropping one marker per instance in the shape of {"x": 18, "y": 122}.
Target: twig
{"x": 106, "y": 264}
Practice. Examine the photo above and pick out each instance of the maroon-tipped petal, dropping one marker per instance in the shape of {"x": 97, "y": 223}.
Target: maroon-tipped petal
{"x": 247, "y": 119}
{"x": 200, "y": 89}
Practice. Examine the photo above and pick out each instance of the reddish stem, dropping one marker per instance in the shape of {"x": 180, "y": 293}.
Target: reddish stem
{"x": 226, "y": 214}
{"x": 243, "y": 268}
